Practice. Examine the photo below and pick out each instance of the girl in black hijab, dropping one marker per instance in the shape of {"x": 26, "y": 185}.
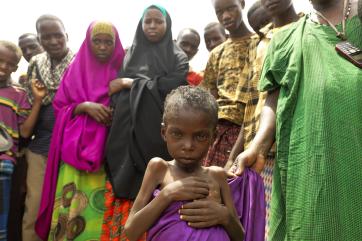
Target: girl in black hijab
{"x": 153, "y": 67}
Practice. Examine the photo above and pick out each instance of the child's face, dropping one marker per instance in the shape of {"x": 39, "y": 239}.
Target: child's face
{"x": 229, "y": 14}
{"x": 8, "y": 63}
{"x": 189, "y": 43}
{"x": 102, "y": 46}
{"x": 154, "y": 25}
{"x": 30, "y": 47}
{"x": 188, "y": 135}
{"x": 276, "y": 7}
{"x": 213, "y": 38}
{"x": 53, "y": 38}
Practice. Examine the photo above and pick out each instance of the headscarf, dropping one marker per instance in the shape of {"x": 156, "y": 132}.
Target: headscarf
{"x": 134, "y": 138}
{"x": 78, "y": 140}
{"x": 40, "y": 67}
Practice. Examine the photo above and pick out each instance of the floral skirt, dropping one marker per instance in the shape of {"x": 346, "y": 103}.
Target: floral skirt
{"x": 86, "y": 209}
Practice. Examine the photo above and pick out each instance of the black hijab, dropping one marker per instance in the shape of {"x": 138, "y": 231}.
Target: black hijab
{"x": 134, "y": 138}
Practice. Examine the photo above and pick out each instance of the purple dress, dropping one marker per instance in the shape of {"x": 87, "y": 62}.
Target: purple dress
{"x": 248, "y": 195}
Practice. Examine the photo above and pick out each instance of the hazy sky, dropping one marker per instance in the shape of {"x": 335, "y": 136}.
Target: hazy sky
{"x": 19, "y": 16}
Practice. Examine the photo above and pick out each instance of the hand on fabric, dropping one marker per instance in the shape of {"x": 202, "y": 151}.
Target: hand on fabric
{"x": 228, "y": 167}
{"x": 38, "y": 89}
{"x": 117, "y": 85}
{"x": 189, "y": 188}
{"x": 249, "y": 158}
{"x": 204, "y": 213}
{"x": 98, "y": 112}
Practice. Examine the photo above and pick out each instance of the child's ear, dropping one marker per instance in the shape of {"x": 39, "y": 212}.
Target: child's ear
{"x": 163, "y": 131}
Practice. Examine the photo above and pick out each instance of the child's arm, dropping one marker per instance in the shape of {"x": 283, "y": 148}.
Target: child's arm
{"x": 39, "y": 91}
{"x": 258, "y": 149}
{"x": 145, "y": 212}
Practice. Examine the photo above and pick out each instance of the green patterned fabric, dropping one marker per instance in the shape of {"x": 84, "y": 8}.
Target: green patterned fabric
{"x": 79, "y": 205}
{"x": 317, "y": 180}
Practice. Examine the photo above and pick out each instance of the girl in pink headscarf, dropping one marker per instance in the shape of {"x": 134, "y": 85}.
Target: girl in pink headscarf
{"x": 72, "y": 204}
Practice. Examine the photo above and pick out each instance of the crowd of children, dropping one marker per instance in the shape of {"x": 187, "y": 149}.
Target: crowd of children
{"x": 263, "y": 144}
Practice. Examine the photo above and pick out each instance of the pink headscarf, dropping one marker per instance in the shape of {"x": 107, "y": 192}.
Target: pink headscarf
{"x": 78, "y": 140}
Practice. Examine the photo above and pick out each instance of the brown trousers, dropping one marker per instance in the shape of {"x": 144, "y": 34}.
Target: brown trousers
{"x": 34, "y": 186}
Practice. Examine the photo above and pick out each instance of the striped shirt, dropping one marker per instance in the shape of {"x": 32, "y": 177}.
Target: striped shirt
{"x": 230, "y": 71}
{"x": 14, "y": 109}
{"x": 251, "y": 124}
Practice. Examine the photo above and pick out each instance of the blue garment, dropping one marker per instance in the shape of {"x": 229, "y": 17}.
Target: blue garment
{"x": 6, "y": 171}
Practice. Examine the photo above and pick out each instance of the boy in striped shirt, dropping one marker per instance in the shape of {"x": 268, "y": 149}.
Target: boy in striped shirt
{"x": 17, "y": 117}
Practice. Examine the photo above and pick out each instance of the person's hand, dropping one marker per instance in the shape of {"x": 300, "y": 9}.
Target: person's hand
{"x": 189, "y": 188}
{"x": 117, "y": 85}
{"x": 39, "y": 90}
{"x": 204, "y": 213}
{"x": 228, "y": 167}
{"x": 249, "y": 158}
{"x": 98, "y": 112}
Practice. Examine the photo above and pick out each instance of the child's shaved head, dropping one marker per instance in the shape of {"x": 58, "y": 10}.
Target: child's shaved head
{"x": 188, "y": 97}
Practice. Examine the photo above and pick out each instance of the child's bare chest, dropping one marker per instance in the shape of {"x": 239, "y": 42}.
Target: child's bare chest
{"x": 214, "y": 187}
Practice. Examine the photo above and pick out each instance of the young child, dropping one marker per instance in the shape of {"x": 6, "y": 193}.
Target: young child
{"x": 189, "y": 40}
{"x": 153, "y": 66}
{"x": 14, "y": 119}
{"x": 214, "y": 35}
{"x": 228, "y": 76}
{"x": 189, "y": 124}
{"x": 30, "y": 46}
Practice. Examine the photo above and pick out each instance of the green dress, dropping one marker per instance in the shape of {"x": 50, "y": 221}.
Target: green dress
{"x": 317, "y": 181}
{"x": 79, "y": 205}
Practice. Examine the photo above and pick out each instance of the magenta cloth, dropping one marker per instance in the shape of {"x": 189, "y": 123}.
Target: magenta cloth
{"x": 248, "y": 195}
{"x": 78, "y": 140}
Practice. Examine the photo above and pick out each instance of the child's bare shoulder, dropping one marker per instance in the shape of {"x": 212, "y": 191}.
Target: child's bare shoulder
{"x": 158, "y": 164}
{"x": 157, "y": 168}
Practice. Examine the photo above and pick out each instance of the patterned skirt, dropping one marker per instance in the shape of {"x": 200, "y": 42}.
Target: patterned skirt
{"x": 267, "y": 175}
{"x": 226, "y": 136}
{"x": 79, "y": 205}
{"x": 115, "y": 217}
{"x": 86, "y": 209}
